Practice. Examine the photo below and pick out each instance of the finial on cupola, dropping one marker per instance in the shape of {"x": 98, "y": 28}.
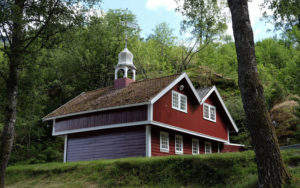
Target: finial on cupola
{"x": 125, "y": 61}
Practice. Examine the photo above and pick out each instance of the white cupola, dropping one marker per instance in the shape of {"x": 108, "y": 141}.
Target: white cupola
{"x": 125, "y": 64}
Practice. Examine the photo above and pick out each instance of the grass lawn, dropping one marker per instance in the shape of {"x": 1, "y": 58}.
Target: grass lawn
{"x": 215, "y": 170}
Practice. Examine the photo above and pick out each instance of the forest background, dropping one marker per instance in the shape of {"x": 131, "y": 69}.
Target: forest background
{"x": 83, "y": 59}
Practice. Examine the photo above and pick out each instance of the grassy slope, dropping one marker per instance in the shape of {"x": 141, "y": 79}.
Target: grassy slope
{"x": 215, "y": 170}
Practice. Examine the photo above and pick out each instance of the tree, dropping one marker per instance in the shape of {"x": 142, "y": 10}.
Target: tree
{"x": 206, "y": 20}
{"x": 22, "y": 24}
{"x": 271, "y": 169}
{"x": 163, "y": 35}
{"x": 286, "y": 13}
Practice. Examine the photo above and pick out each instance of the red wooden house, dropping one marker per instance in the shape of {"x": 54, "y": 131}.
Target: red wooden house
{"x": 153, "y": 117}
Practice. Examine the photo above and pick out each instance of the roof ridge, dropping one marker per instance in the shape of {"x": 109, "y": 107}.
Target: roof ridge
{"x": 136, "y": 82}
{"x": 102, "y": 88}
{"x": 155, "y": 78}
{"x": 205, "y": 87}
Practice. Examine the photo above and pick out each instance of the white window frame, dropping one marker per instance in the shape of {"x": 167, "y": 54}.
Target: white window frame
{"x": 162, "y": 133}
{"x": 181, "y": 143}
{"x": 197, "y": 141}
{"x": 209, "y": 114}
{"x": 179, "y": 101}
{"x": 205, "y": 144}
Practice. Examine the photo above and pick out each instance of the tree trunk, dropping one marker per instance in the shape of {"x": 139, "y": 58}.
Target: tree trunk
{"x": 7, "y": 136}
{"x": 271, "y": 169}
{"x": 14, "y": 55}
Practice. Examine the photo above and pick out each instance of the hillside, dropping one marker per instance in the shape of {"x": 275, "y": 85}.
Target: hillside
{"x": 85, "y": 60}
{"x": 215, "y": 170}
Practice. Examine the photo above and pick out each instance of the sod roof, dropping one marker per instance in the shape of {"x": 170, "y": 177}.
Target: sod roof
{"x": 136, "y": 92}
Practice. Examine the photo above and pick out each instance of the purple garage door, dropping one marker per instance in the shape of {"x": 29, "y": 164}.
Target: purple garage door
{"x": 107, "y": 144}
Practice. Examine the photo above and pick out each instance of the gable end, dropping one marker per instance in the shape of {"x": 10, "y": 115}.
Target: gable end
{"x": 214, "y": 89}
{"x": 172, "y": 84}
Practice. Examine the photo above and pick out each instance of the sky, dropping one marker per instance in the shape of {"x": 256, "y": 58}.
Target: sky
{"x": 150, "y": 13}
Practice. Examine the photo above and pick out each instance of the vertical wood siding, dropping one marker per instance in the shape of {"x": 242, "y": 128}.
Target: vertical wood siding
{"x": 187, "y": 142}
{"x": 117, "y": 116}
{"x": 107, "y": 144}
{"x": 192, "y": 120}
{"x": 231, "y": 148}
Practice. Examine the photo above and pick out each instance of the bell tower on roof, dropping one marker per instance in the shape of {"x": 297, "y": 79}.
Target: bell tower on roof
{"x": 125, "y": 64}
{"x": 125, "y": 61}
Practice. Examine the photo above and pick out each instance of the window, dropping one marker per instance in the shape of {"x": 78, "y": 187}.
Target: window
{"x": 178, "y": 144}
{"x": 164, "y": 141}
{"x": 195, "y": 146}
{"x": 207, "y": 147}
{"x": 179, "y": 101}
{"x": 175, "y": 98}
{"x": 209, "y": 112}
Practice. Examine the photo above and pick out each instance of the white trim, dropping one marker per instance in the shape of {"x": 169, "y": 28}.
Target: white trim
{"x": 181, "y": 137}
{"x": 171, "y": 85}
{"x": 228, "y": 134}
{"x": 102, "y": 127}
{"x": 198, "y": 149}
{"x": 209, "y": 147}
{"x": 96, "y": 110}
{"x": 223, "y": 105}
{"x": 186, "y": 131}
{"x": 209, "y": 114}
{"x": 150, "y": 112}
{"x": 160, "y": 142}
{"x": 140, "y": 123}
{"x": 231, "y": 144}
{"x": 179, "y": 101}
{"x": 53, "y": 126}
{"x": 192, "y": 87}
{"x": 148, "y": 140}
{"x": 208, "y": 94}
{"x": 65, "y": 148}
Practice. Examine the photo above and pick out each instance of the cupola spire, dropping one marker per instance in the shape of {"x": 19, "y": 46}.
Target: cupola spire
{"x": 125, "y": 60}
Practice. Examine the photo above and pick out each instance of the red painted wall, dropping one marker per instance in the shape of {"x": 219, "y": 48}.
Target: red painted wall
{"x": 231, "y": 148}
{"x": 193, "y": 120}
{"x": 122, "y": 82}
{"x": 187, "y": 142}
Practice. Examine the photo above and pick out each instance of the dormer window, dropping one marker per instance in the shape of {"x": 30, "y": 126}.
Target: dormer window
{"x": 209, "y": 112}
{"x": 179, "y": 101}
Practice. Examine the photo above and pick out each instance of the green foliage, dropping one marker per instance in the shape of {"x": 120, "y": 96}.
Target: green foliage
{"x": 215, "y": 170}
{"x": 205, "y": 17}
{"x": 235, "y": 106}
{"x": 285, "y": 13}
{"x": 84, "y": 58}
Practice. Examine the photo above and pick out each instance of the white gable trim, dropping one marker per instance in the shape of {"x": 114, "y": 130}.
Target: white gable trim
{"x": 97, "y": 110}
{"x": 141, "y": 123}
{"x": 231, "y": 144}
{"x": 214, "y": 89}
{"x": 171, "y": 85}
{"x": 187, "y": 131}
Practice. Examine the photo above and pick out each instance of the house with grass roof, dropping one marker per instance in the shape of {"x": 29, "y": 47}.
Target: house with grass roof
{"x": 151, "y": 117}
